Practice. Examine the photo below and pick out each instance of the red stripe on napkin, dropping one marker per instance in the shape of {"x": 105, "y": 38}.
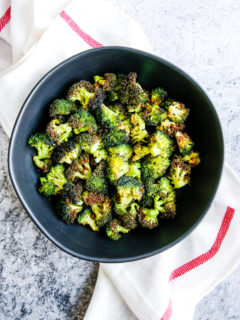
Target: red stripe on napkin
{"x": 86, "y": 37}
{"x": 192, "y": 264}
{"x": 5, "y": 18}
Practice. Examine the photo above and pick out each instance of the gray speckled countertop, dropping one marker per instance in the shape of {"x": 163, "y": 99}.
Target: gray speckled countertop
{"x": 37, "y": 280}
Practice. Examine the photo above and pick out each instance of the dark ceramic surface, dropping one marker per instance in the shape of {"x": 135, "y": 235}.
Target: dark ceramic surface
{"x": 192, "y": 202}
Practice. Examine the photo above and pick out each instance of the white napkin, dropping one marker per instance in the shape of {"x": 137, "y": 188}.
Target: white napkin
{"x": 38, "y": 36}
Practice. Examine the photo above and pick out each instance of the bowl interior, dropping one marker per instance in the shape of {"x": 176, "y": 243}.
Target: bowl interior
{"x": 192, "y": 202}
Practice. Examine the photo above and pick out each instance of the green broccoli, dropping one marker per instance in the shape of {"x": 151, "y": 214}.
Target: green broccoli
{"x": 129, "y": 189}
{"x": 108, "y": 82}
{"x": 72, "y": 192}
{"x": 119, "y": 110}
{"x": 81, "y": 91}
{"x": 107, "y": 117}
{"x": 153, "y": 168}
{"x": 152, "y": 188}
{"x": 160, "y": 144}
{"x": 83, "y": 121}
{"x": 98, "y": 81}
{"x": 153, "y": 114}
{"x": 122, "y": 150}
{"x": 114, "y": 138}
{"x": 146, "y": 201}
{"x": 114, "y": 229}
{"x": 166, "y": 205}
{"x": 44, "y": 164}
{"x": 97, "y": 181}
{"x": 177, "y": 112}
{"x": 102, "y": 211}
{"x": 43, "y": 144}
{"x": 46, "y": 188}
{"x": 117, "y": 167}
{"x": 88, "y": 218}
{"x": 138, "y": 132}
{"x": 58, "y": 132}
{"x": 130, "y": 92}
{"x": 179, "y": 173}
{"x": 147, "y": 218}
{"x": 158, "y": 95}
{"x": 129, "y": 220}
{"x": 92, "y": 144}
{"x": 126, "y": 127}
{"x": 140, "y": 151}
{"x": 79, "y": 169}
{"x": 119, "y": 208}
{"x": 165, "y": 187}
{"x": 134, "y": 170}
{"x": 61, "y": 107}
{"x": 66, "y": 152}
{"x": 184, "y": 142}
{"x": 54, "y": 177}
{"x": 192, "y": 158}
{"x": 169, "y": 127}
{"x": 69, "y": 211}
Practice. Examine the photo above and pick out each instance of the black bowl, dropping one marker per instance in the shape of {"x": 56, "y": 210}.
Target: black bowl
{"x": 192, "y": 202}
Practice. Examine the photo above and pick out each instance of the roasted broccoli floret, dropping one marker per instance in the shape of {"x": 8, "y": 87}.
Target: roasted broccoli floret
{"x": 134, "y": 170}
{"x": 125, "y": 126}
{"x": 44, "y": 165}
{"x": 119, "y": 208}
{"x": 153, "y": 114}
{"x": 179, "y": 173}
{"x": 107, "y": 117}
{"x": 61, "y": 107}
{"x": 117, "y": 167}
{"x": 147, "y": 202}
{"x": 192, "y": 158}
{"x": 98, "y": 81}
{"x": 129, "y": 189}
{"x": 88, "y": 218}
{"x": 119, "y": 110}
{"x": 122, "y": 150}
{"x": 170, "y": 127}
{"x": 46, "y": 188}
{"x": 147, "y": 218}
{"x": 177, "y": 112}
{"x": 97, "y": 182}
{"x": 114, "y": 229}
{"x": 153, "y": 168}
{"x": 129, "y": 220}
{"x": 83, "y": 121}
{"x": 166, "y": 205}
{"x": 184, "y": 142}
{"x": 66, "y": 152}
{"x": 102, "y": 211}
{"x": 140, "y": 152}
{"x": 58, "y": 132}
{"x": 81, "y": 91}
{"x": 165, "y": 187}
{"x": 54, "y": 181}
{"x": 72, "y": 192}
{"x": 92, "y": 144}
{"x": 160, "y": 144}
{"x": 130, "y": 92}
{"x": 79, "y": 169}
{"x": 138, "y": 132}
{"x": 114, "y": 138}
{"x": 69, "y": 211}
{"x": 152, "y": 188}
{"x": 158, "y": 95}
{"x": 43, "y": 144}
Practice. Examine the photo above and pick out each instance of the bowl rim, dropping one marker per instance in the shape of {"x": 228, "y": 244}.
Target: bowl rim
{"x": 30, "y": 212}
